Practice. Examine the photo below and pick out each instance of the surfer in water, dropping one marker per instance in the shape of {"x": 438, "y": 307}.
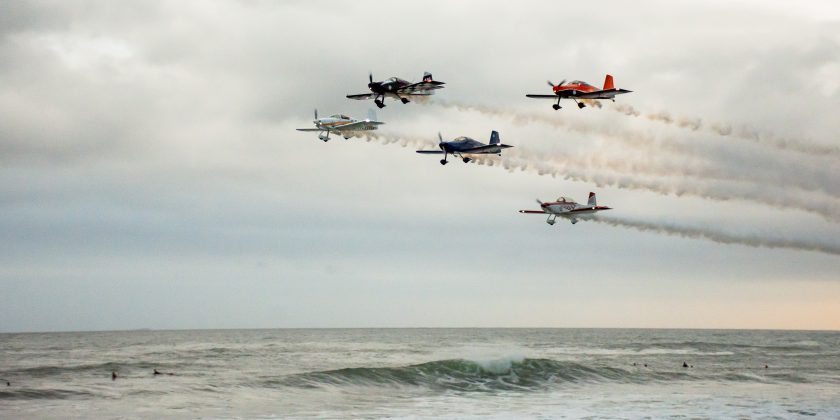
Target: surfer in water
{"x": 685, "y": 365}
{"x": 156, "y": 372}
{"x": 113, "y": 375}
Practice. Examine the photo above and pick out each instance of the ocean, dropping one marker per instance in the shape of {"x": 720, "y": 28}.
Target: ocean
{"x": 422, "y": 373}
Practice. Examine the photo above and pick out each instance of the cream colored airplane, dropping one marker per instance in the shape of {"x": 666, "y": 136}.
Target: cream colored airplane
{"x": 342, "y": 124}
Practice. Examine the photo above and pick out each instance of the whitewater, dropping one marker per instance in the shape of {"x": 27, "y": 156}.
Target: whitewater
{"x": 425, "y": 373}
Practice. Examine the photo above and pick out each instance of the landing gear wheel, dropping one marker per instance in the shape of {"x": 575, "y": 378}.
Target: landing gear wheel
{"x": 379, "y": 103}
{"x": 550, "y": 221}
{"x": 404, "y": 100}
{"x": 443, "y": 162}
{"x": 467, "y": 160}
{"x": 556, "y": 107}
{"x": 581, "y": 105}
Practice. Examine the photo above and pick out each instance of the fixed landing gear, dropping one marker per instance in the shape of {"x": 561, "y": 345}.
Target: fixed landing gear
{"x": 550, "y": 221}
{"x": 379, "y": 102}
{"x": 581, "y": 105}
{"x": 556, "y": 107}
{"x": 574, "y": 221}
{"x": 466, "y": 160}
{"x": 404, "y": 100}
{"x": 324, "y": 137}
{"x": 347, "y": 137}
{"x": 443, "y": 162}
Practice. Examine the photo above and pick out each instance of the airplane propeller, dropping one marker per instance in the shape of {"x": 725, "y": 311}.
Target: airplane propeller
{"x": 539, "y": 202}
{"x": 370, "y": 77}
{"x": 559, "y": 84}
{"x": 316, "y": 113}
{"x": 440, "y": 140}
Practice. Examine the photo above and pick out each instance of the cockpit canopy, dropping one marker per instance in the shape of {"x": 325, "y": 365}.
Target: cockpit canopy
{"x": 396, "y": 79}
{"x": 462, "y": 138}
{"x": 565, "y": 200}
{"x": 340, "y": 116}
{"x": 579, "y": 82}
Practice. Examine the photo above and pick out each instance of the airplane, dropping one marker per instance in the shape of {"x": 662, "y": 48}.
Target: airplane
{"x": 466, "y": 146}
{"x": 343, "y": 125}
{"x": 398, "y": 89}
{"x": 566, "y": 207}
{"x": 578, "y": 90}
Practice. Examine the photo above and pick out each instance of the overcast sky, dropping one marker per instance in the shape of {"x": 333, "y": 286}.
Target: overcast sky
{"x": 151, "y": 175}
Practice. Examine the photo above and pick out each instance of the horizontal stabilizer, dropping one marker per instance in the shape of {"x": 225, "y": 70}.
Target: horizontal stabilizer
{"x": 430, "y": 152}
{"x": 486, "y": 149}
{"x": 362, "y": 96}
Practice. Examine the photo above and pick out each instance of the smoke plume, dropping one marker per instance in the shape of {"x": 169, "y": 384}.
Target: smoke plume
{"x": 730, "y": 130}
{"x": 716, "y": 236}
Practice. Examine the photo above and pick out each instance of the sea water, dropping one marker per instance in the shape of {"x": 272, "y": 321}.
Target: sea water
{"x": 422, "y": 373}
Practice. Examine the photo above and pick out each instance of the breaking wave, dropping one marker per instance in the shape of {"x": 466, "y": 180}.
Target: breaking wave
{"x": 523, "y": 375}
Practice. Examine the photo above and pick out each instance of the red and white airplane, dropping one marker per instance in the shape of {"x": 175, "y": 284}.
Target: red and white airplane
{"x": 566, "y": 207}
{"x": 579, "y": 91}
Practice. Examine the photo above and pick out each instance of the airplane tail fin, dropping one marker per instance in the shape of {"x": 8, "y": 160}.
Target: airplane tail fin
{"x": 591, "y": 202}
{"x": 427, "y": 77}
{"x": 371, "y": 115}
{"x": 494, "y": 137}
{"x": 608, "y": 83}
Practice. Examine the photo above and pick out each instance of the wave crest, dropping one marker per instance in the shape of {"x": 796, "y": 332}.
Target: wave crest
{"x": 462, "y": 375}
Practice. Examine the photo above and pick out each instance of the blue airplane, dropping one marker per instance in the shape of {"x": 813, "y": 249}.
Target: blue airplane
{"x": 462, "y": 146}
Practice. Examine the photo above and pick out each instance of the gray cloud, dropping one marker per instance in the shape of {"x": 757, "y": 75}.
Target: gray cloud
{"x": 143, "y": 141}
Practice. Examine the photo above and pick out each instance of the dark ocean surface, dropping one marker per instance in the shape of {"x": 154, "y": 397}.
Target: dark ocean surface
{"x": 454, "y": 373}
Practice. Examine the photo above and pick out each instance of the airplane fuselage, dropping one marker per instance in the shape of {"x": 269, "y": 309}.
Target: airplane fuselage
{"x": 333, "y": 124}
{"x": 386, "y": 87}
{"x": 572, "y": 89}
{"x": 457, "y": 146}
{"x": 561, "y": 209}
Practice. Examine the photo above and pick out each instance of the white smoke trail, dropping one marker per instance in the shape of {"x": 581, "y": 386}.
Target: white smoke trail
{"x": 739, "y": 132}
{"x": 812, "y": 178}
{"x": 517, "y": 163}
{"x": 829, "y": 210}
{"x": 402, "y": 140}
{"x": 716, "y": 236}
{"x": 561, "y": 166}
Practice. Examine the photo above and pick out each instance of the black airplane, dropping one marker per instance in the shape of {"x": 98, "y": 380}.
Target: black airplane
{"x": 398, "y": 89}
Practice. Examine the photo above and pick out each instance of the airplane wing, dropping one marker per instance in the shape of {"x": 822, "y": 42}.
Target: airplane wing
{"x": 532, "y": 211}
{"x": 430, "y": 152}
{"x": 357, "y": 126}
{"x": 310, "y": 129}
{"x": 602, "y": 94}
{"x": 362, "y": 96}
{"x": 530, "y": 95}
{"x": 589, "y": 209}
{"x": 420, "y": 87}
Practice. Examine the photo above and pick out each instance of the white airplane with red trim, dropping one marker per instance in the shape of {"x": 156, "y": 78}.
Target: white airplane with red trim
{"x": 568, "y": 208}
